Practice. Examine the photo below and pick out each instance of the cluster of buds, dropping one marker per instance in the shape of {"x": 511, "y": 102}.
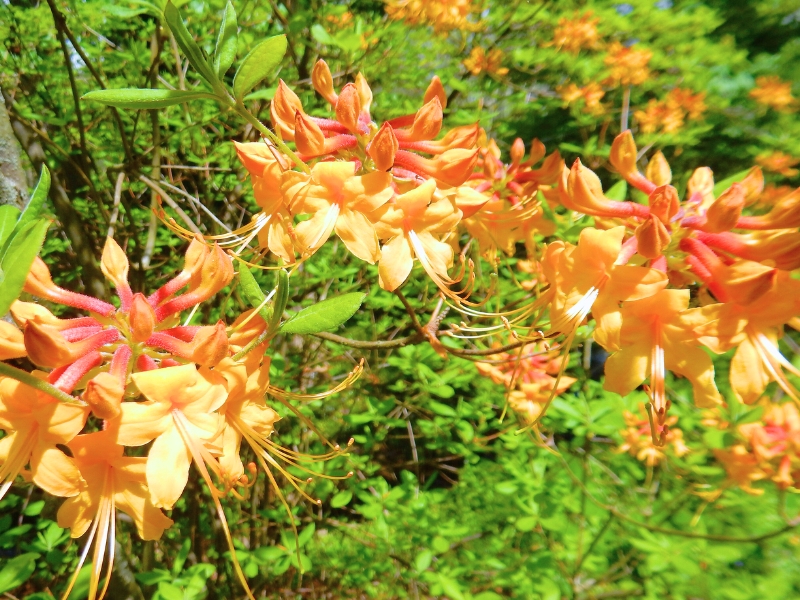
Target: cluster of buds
{"x": 637, "y": 440}
{"x": 741, "y": 262}
{"x": 532, "y": 376}
{"x": 771, "y": 450}
{"x": 146, "y": 379}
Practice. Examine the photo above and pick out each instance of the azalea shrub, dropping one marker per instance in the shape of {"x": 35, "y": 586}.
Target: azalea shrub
{"x": 314, "y": 319}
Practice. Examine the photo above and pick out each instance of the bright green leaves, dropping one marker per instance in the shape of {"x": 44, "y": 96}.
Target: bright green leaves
{"x": 261, "y": 62}
{"x": 187, "y": 44}
{"x": 144, "y": 98}
{"x": 21, "y": 236}
{"x": 325, "y": 315}
{"x": 17, "y": 570}
{"x": 253, "y": 293}
{"x": 227, "y": 39}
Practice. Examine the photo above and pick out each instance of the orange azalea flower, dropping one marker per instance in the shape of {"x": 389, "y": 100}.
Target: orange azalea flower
{"x": 531, "y": 364}
{"x": 35, "y": 424}
{"x": 742, "y": 468}
{"x": 628, "y": 65}
{"x": 646, "y": 338}
{"x": 753, "y": 329}
{"x": 778, "y": 162}
{"x": 638, "y": 440}
{"x": 659, "y": 115}
{"x": 140, "y": 335}
{"x": 572, "y": 35}
{"x": 340, "y": 201}
{"x": 772, "y": 91}
{"x": 410, "y": 224}
{"x": 480, "y": 61}
{"x": 112, "y": 481}
{"x": 591, "y": 95}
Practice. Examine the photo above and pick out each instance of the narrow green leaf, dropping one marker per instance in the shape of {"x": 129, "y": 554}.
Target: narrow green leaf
{"x": 190, "y": 48}
{"x": 9, "y": 215}
{"x": 617, "y": 191}
{"x": 253, "y": 293}
{"x": 227, "y": 39}
{"x": 24, "y": 247}
{"x": 180, "y": 559}
{"x": 144, "y": 98}
{"x": 17, "y": 570}
{"x": 261, "y": 62}
{"x": 325, "y": 315}
{"x": 723, "y": 185}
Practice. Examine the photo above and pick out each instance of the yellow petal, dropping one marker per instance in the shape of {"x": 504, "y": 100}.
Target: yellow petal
{"x": 11, "y": 342}
{"x": 131, "y": 499}
{"x": 627, "y": 369}
{"x": 748, "y": 376}
{"x": 141, "y": 422}
{"x": 55, "y": 472}
{"x": 358, "y": 234}
{"x": 167, "y": 468}
{"x": 395, "y": 264}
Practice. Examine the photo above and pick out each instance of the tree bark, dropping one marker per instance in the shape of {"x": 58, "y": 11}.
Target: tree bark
{"x": 13, "y": 184}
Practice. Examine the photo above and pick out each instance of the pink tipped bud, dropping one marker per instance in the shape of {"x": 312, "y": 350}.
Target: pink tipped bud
{"x": 39, "y": 283}
{"x": 701, "y": 184}
{"x": 517, "y": 151}
{"x": 584, "y": 193}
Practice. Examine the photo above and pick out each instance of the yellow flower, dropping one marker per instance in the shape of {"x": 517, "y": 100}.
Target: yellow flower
{"x": 480, "y": 61}
{"x": 778, "y": 162}
{"x": 591, "y": 95}
{"x": 572, "y": 35}
{"x": 410, "y": 224}
{"x": 628, "y": 65}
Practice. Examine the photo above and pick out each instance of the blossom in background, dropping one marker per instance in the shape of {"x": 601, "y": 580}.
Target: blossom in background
{"x": 591, "y": 94}
{"x": 778, "y": 162}
{"x": 573, "y": 35}
{"x": 480, "y": 61}
{"x": 444, "y": 15}
{"x": 637, "y": 439}
{"x": 670, "y": 115}
{"x": 775, "y": 93}
{"x": 628, "y": 65}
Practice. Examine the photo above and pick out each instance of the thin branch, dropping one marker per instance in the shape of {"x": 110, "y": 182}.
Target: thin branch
{"x": 376, "y": 345}
{"x": 171, "y": 203}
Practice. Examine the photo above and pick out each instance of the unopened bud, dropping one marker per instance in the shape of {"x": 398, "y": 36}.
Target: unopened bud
{"x": 257, "y": 157}
{"x": 323, "y": 82}
{"x": 582, "y": 191}
{"x": 283, "y": 108}
{"x": 364, "y": 93}
{"x": 142, "y": 319}
{"x": 623, "y": 154}
{"x": 427, "y": 122}
{"x": 652, "y": 237}
{"x": 455, "y": 166}
{"x": 702, "y": 183}
{"x": 664, "y": 202}
{"x": 308, "y": 136}
{"x": 517, "y": 151}
{"x": 435, "y": 90}
{"x": 104, "y": 394}
{"x": 46, "y": 346}
{"x": 658, "y": 170}
{"x": 348, "y": 107}
{"x": 383, "y": 148}
{"x": 753, "y": 185}
{"x": 210, "y": 345}
{"x": 114, "y": 265}
{"x": 723, "y": 214}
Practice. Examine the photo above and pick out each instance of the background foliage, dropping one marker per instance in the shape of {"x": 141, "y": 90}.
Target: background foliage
{"x": 446, "y": 500}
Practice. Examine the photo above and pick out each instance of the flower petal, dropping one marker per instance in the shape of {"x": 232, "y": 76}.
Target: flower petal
{"x": 167, "y": 468}
{"x": 358, "y": 234}
{"x": 396, "y": 263}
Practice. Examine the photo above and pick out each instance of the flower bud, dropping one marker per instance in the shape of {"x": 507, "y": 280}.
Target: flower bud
{"x": 664, "y": 203}
{"x": 517, "y": 152}
{"x": 104, "y": 394}
{"x": 623, "y": 156}
{"x": 435, "y": 89}
{"x": 308, "y": 136}
{"x": 784, "y": 215}
{"x": 12, "y": 343}
{"x": 383, "y": 148}
{"x": 724, "y": 213}
{"x": 427, "y": 122}
{"x": 39, "y": 283}
{"x": 258, "y": 157}
{"x": 322, "y": 80}
{"x": 364, "y": 94}
{"x": 753, "y": 185}
{"x": 658, "y": 170}
{"x": 652, "y": 237}
{"x": 702, "y": 183}
{"x": 142, "y": 319}
{"x": 46, "y": 346}
{"x": 455, "y": 166}
{"x": 348, "y": 108}
{"x": 745, "y": 282}
{"x": 583, "y": 192}
{"x": 283, "y": 108}
{"x": 114, "y": 265}
{"x": 210, "y": 345}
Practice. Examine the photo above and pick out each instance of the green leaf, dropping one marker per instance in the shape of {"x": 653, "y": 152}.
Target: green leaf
{"x": 265, "y": 94}
{"x": 441, "y": 409}
{"x": 729, "y": 181}
{"x": 306, "y": 535}
{"x": 341, "y": 499}
{"x": 36, "y": 204}
{"x": 180, "y": 559}
{"x": 17, "y": 261}
{"x": 423, "y": 561}
{"x": 34, "y": 508}
{"x": 260, "y": 62}
{"x": 17, "y": 570}
{"x": 9, "y": 215}
{"x": 190, "y": 48}
{"x": 325, "y": 315}
{"x": 318, "y": 33}
{"x": 137, "y": 98}
{"x": 279, "y": 304}
{"x": 617, "y": 191}
{"x": 526, "y": 523}
{"x": 169, "y": 591}
{"x": 225, "y": 51}
{"x": 253, "y": 293}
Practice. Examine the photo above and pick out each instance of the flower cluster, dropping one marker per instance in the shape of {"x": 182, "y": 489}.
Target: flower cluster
{"x": 638, "y": 441}
{"x": 444, "y": 15}
{"x": 491, "y": 62}
{"x": 670, "y": 114}
{"x": 775, "y": 93}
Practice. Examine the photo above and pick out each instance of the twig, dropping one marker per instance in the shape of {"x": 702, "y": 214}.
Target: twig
{"x": 117, "y": 198}
{"x": 370, "y": 345}
{"x": 171, "y": 203}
